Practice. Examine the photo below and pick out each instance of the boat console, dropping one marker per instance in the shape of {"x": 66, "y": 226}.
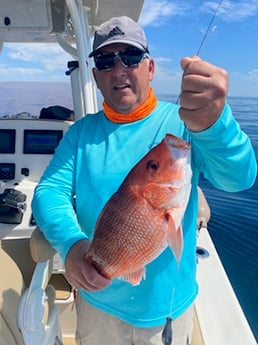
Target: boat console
{"x": 26, "y": 147}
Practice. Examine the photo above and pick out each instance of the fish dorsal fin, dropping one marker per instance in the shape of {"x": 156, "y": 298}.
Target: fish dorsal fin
{"x": 174, "y": 237}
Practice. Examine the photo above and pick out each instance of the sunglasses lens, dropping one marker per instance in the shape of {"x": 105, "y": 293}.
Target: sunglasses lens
{"x": 129, "y": 58}
{"x": 104, "y": 61}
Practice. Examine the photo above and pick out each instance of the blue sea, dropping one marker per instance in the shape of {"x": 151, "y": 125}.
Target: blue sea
{"x": 234, "y": 221}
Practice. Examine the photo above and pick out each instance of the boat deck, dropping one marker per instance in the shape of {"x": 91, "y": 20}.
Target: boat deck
{"x": 197, "y": 336}
{"x": 69, "y": 341}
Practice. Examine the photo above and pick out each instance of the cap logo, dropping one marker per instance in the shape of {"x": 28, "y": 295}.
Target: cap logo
{"x": 115, "y": 31}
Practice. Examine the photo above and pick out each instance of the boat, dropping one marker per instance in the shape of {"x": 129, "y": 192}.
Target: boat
{"x": 36, "y": 300}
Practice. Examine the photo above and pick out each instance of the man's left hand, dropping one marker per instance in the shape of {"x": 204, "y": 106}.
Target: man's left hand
{"x": 203, "y": 93}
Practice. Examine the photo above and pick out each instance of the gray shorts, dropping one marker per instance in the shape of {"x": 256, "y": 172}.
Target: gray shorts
{"x": 97, "y": 328}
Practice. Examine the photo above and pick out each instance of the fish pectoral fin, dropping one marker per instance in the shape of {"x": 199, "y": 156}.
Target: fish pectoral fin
{"x": 135, "y": 277}
{"x": 174, "y": 238}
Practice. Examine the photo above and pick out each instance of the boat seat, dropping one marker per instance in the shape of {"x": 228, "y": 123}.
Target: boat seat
{"x": 11, "y": 288}
{"x": 38, "y": 316}
{"x": 40, "y": 248}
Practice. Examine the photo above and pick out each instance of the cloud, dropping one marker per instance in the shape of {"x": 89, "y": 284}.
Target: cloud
{"x": 232, "y": 11}
{"x": 30, "y": 51}
{"x": 168, "y": 82}
{"x": 243, "y": 84}
{"x": 162, "y": 59}
{"x": 157, "y": 12}
{"x": 36, "y": 59}
{"x": 253, "y": 72}
{"x": 29, "y": 74}
{"x": 4, "y": 70}
{"x": 167, "y": 79}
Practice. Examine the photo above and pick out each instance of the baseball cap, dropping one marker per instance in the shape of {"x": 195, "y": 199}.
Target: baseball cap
{"x": 119, "y": 30}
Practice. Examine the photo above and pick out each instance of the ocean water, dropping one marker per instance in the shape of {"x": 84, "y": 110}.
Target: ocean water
{"x": 31, "y": 97}
{"x": 234, "y": 221}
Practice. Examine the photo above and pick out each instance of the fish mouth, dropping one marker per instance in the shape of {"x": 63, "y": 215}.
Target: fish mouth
{"x": 178, "y": 148}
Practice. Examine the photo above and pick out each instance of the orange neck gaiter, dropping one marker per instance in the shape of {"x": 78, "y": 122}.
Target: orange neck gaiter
{"x": 142, "y": 111}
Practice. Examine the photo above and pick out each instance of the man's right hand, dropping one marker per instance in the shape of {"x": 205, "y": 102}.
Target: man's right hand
{"x": 81, "y": 273}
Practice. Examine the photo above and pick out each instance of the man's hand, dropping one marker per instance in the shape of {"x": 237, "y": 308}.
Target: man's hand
{"x": 81, "y": 273}
{"x": 203, "y": 93}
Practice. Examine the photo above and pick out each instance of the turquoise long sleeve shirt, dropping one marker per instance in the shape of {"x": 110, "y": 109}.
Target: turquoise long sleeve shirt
{"x": 89, "y": 165}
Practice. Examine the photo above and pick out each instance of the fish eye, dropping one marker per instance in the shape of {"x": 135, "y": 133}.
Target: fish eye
{"x": 152, "y": 165}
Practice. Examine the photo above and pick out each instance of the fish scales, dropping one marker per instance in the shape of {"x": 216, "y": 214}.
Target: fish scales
{"x": 143, "y": 217}
{"x": 129, "y": 215}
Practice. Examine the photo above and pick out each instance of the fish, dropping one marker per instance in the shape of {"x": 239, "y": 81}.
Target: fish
{"x": 143, "y": 217}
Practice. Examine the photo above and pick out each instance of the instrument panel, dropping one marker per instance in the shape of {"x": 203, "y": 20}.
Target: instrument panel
{"x": 26, "y": 147}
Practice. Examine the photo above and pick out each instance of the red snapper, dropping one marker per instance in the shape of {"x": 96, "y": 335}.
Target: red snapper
{"x": 144, "y": 216}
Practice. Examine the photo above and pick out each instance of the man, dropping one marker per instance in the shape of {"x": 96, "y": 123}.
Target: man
{"x": 95, "y": 156}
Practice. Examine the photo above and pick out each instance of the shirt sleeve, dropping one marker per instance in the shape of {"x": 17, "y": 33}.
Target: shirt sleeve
{"x": 54, "y": 197}
{"x": 224, "y": 154}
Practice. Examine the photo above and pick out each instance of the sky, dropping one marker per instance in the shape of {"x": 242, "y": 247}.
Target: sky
{"x": 174, "y": 29}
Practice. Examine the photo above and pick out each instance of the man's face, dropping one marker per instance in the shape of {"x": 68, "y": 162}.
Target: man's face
{"x": 124, "y": 88}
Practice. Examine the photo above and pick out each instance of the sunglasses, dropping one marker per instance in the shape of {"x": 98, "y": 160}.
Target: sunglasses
{"x": 129, "y": 57}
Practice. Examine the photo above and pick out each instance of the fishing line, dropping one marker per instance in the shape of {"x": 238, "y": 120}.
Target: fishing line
{"x": 209, "y": 28}
{"x": 167, "y": 334}
{"x": 206, "y": 34}
{"x": 199, "y": 51}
